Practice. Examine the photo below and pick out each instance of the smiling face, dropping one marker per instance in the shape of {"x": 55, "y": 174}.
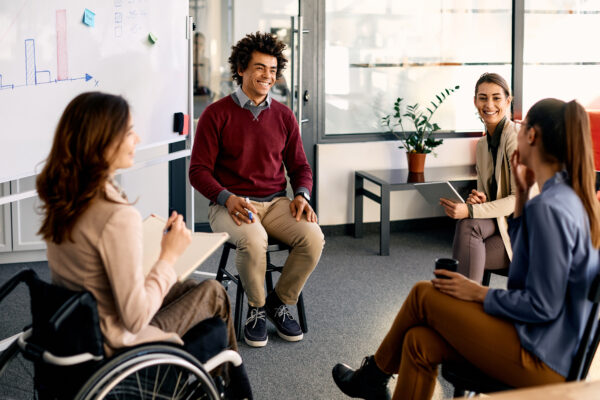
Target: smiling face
{"x": 491, "y": 103}
{"x": 259, "y": 77}
{"x": 120, "y": 154}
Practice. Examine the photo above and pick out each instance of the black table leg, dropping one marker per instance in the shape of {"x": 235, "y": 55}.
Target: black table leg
{"x": 384, "y": 234}
{"x": 358, "y": 206}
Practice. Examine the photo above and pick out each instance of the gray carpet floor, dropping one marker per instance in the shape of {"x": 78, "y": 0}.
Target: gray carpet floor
{"x": 350, "y": 300}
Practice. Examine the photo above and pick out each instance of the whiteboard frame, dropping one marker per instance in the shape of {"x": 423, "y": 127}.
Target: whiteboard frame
{"x": 189, "y": 195}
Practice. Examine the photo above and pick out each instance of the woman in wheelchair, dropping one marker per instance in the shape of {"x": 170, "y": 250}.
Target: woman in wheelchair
{"x": 527, "y": 334}
{"x": 94, "y": 238}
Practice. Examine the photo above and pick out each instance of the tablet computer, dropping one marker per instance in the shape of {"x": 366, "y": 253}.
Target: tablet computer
{"x": 434, "y": 191}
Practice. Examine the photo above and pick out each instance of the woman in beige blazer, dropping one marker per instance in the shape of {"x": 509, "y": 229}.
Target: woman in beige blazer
{"x": 481, "y": 239}
{"x": 94, "y": 236}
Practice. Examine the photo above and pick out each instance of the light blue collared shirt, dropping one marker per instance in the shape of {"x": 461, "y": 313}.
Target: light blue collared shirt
{"x": 240, "y": 98}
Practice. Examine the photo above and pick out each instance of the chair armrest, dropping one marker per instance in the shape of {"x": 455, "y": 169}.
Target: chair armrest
{"x": 223, "y": 357}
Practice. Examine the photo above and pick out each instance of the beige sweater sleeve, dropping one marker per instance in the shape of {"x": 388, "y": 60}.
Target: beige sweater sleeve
{"x": 137, "y": 298}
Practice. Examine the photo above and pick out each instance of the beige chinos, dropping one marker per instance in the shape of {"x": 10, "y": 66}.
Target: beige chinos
{"x": 273, "y": 219}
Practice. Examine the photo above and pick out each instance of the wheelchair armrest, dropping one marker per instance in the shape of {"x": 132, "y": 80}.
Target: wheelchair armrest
{"x": 223, "y": 357}
{"x": 35, "y": 352}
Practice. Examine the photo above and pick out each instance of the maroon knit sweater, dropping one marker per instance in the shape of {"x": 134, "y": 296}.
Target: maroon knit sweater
{"x": 234, "y": 151}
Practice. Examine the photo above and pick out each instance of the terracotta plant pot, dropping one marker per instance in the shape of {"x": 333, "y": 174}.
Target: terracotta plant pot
{"x": 415, "y": 177}
{"x": 416, "y": 162}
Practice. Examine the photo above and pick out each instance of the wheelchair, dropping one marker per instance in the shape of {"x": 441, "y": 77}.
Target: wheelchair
{"x": 61, "y": 355}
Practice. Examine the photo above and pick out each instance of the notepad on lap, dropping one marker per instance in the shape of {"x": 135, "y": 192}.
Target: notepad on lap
{"x": 434, "y": 191}
{"x": 202, "y": 246}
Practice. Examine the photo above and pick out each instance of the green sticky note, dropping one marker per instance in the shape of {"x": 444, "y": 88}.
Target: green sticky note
{"x": 152, "y": 38}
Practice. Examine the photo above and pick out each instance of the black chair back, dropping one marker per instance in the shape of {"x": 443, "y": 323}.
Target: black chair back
{"x": 591, "y": 336}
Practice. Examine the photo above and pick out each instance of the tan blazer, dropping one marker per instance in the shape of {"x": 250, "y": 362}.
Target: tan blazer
{"x": 105, "y": 257}
{"x": 504, "y": 205}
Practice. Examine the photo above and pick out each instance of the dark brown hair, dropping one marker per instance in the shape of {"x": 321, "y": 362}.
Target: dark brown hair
{"x": 491, "y": 77}
{"x": 76, "y": 169}
{"x": 265, "y": 43}
{"x": 565, "y": 132}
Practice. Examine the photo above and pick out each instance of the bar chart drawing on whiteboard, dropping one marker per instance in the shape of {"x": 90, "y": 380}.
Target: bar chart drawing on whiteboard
{"x": 38, "y": 76}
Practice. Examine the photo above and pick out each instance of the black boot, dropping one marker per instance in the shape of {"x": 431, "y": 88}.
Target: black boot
{"x": 367, "y": 382}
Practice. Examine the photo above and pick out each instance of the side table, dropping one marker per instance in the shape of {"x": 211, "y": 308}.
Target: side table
{"x": 390, "y": 180}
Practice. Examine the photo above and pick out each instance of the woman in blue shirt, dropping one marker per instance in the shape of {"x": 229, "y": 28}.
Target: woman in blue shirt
{"x": 527, "y": 334}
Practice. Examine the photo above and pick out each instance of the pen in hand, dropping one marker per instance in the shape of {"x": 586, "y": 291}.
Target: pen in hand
{"x": 250, "y": 215}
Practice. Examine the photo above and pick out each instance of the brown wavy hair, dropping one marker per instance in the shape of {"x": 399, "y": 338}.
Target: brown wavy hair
{"x": 265, "y": 43}
{"x": 566, "y": 138}
{"x": 76, "y": 169}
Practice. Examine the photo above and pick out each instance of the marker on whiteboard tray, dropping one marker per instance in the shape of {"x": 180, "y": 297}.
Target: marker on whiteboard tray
{"x": 250, "y": 215}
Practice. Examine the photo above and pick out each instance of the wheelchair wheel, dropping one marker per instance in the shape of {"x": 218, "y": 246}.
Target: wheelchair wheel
{"x": 150, "y": 372}
{"x": 16, "y": 375}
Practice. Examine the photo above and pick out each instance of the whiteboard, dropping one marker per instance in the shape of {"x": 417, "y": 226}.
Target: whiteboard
{"x": 48, "y": 55}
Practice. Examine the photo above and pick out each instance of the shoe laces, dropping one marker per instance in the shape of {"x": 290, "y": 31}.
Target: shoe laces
{"x": 283, "y": 312}
{"x": 255, "y": 315}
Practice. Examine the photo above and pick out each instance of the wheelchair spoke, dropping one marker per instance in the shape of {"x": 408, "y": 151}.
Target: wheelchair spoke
{"x": 159, "y": 373}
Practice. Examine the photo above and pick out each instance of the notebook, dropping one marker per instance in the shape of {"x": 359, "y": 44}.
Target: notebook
{"x": 202, "y": 246}
{"x": 434, "y": 191}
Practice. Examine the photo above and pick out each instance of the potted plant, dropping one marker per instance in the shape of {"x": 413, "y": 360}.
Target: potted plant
{"x": 420, "y": 142}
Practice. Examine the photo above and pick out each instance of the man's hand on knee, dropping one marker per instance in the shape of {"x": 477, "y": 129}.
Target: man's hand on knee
{"x": 240, "y": 210}
{"x": 299, "y": 206}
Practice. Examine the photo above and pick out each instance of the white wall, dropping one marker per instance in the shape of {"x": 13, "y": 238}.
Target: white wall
{"x": 336, "y": 164}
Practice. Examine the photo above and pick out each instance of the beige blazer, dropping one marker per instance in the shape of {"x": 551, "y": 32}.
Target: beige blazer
{"x": 105, "y": 257}
{"x": 504, "y": 205}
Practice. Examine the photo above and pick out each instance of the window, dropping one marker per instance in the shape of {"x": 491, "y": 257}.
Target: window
{"x": 561, "y": 55}
{"x": 378, "y": 51}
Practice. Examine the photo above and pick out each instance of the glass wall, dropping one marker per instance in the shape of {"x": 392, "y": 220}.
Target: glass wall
{"x": 561, "y": 53}
{"x": 219, "y": 25}
{"x": 378, "y": 51}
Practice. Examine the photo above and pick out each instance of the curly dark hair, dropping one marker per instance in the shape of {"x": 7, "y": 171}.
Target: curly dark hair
{"x": 265, "y": 43}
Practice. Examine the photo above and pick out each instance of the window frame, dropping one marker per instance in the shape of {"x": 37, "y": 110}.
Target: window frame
{"x": 518, "y": 19}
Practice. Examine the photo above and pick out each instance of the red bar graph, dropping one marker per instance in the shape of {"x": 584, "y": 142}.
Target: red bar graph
{"x": 62, "y": 65}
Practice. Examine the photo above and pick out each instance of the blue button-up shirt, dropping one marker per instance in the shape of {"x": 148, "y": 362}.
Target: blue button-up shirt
{"x": 553, "y": 266}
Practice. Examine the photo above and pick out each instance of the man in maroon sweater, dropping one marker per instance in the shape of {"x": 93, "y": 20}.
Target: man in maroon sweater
{"x": 243, "y": 147}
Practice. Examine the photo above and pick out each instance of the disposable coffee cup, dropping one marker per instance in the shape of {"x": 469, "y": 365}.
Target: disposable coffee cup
{"x": 449, "y": 264}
